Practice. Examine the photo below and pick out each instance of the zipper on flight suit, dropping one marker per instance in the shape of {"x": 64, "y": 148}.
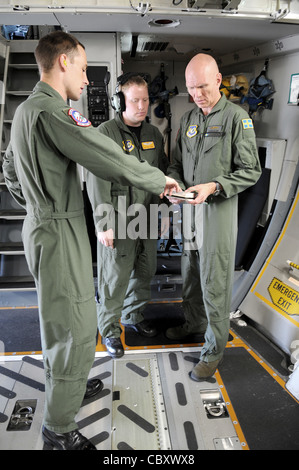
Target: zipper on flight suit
{"x": 200, "y": 146}
{"x": 137, "y": 145}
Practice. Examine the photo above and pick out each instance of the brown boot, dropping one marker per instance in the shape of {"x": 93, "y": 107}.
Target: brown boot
{"x": 203, "y": 370}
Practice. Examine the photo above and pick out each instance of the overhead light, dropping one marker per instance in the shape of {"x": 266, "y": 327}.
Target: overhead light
{"x": 164, "y": 23}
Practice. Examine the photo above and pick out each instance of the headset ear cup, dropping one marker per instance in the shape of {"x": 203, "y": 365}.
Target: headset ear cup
{"x": 118, "y": 102}
{"x": 122, "y": 101}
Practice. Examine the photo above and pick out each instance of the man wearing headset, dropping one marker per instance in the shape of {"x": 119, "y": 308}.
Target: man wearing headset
{"x": 126, "y": 261}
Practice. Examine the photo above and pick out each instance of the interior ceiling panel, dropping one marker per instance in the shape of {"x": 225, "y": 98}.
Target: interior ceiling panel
{"x": 217, "y": 35}
{"x": 220, "y": 35}
{"x": 264, "y": 5}
{"x": 190, "y": 31}
{"x": 41, "y": 18}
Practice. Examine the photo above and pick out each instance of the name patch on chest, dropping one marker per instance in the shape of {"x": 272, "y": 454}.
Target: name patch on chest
{"x": 148, "y": 145}
{"x": 79, "y": 119}
{"x": 214, "y": 131}
{"x": 192, "y": 131}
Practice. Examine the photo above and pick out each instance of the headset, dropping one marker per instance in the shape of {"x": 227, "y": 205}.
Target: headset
{"x": 117, "y": 100}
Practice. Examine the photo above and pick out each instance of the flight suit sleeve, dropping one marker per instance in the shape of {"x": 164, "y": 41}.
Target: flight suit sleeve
{"x": 163, "y": 162}
{"x": 11, "y": 178}
{"x": 99, "y": 193}
{"x": 175, "y": 169}
{"x": 246, "y": 169}
{"x": 99, "y": 154}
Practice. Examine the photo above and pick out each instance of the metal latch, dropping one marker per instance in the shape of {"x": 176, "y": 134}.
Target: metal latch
{"x": 215, "y": 409}
{"x": 213, "y": 403}
{"x": 22, "y": 415}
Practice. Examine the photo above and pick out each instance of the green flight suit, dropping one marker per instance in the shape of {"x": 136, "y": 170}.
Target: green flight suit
{"x": 48, "y": 139}
{"x": 219, "y": 147}
{"x": 125, "y": 271}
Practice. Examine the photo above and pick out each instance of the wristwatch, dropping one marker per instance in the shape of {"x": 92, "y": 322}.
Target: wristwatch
{"x": 218, "y": 189}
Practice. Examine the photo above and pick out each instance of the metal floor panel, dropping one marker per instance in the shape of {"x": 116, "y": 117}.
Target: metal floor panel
{"x": 192, "y": 426}
{"x": 148, "y": 402}
{"x": 137, "y": 408}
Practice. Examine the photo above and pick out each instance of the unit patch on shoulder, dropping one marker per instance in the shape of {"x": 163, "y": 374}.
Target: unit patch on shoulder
{"x": 247, "y": 123}
{"x": 128, "y": 145}
{"x": 148, "y": 145}
{"x": 192, "y": 131}
{"x": 79, "y": 119}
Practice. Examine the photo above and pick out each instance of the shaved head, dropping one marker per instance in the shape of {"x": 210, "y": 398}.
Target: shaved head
{"x": 203, "y": 80}
{"x": 200, "y": 62}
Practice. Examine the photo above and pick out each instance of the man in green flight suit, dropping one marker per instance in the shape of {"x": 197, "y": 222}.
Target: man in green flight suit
{"x": 215, "y": 156}
{"x": 48, "y": 139}
{"x": 126, "y": 261}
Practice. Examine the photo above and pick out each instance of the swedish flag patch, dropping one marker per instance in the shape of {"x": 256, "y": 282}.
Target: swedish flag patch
{"x": 247, "y": 123}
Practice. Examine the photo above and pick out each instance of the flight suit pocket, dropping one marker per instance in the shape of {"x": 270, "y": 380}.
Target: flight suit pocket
{"x": 212, "y": 140}
{"x": 115, "y": 262}
{"x": 188, "y": 163}
{"x": 75, "y": 260}
{"x": 84, "y": 321}
{"x": 245, "y": 151}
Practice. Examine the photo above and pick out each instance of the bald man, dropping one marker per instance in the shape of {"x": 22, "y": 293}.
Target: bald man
{"x": 215, "y": 156}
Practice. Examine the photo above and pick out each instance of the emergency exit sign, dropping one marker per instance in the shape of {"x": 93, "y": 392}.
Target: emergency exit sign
{"x": 284, "y": 297}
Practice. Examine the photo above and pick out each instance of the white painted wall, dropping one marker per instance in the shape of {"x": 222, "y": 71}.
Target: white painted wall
{"x": 282, "y": 122}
